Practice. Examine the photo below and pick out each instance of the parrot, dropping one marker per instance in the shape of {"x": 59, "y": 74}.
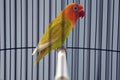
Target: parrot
{"x": 58, "y": 30}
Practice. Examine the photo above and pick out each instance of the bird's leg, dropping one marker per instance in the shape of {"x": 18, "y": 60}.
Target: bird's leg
{"x": 61, "y": 48}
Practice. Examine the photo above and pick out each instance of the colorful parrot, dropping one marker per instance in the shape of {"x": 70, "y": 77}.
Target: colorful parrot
{"x": 58, "y": 30}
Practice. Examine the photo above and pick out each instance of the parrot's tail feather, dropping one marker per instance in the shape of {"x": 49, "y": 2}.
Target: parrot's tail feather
{"x": 35, "y": 51}
{"x": 40, "y": 56}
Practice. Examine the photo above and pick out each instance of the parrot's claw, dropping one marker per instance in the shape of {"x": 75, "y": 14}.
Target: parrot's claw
{"x": 61, "y": 48}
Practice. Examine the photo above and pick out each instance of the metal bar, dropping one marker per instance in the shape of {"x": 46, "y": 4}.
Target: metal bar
{"x": 32, "y": 42}
{"x": 21, "y": 44}
{"x": 10, "y": 38}
{"x": 4, "y": 39}
{"x": 49, "y": 62}
{"x": 97, "y": 49}
{"x": 95, "y": 40}
{"x": 26, "y": 39}
{"x": 112, "y": 40}
{"x": 43, "y": 31}
{"x": 118, "y": 45}
{"x": 37, "y": 34}
{"x": 107, "y": 72}
{"x": 15, "y": 57}
{"x": 84, "y": 41}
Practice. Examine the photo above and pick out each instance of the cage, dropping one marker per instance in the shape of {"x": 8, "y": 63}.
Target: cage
{"x": 93, "y": 51}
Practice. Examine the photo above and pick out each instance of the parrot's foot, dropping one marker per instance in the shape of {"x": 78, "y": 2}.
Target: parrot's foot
{"x": 61, "y": 48}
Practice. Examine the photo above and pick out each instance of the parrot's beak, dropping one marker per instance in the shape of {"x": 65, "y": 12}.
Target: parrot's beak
{"x": 81, "y": 13}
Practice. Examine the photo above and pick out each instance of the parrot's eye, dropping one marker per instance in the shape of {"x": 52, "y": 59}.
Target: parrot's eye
{"x": 75, "y": 8}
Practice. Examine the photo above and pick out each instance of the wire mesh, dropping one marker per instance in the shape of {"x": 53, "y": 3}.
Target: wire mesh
{"x": 93, "y": 51}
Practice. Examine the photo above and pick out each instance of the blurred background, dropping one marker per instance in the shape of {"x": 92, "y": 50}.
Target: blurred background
{"x": 93, "y": 47}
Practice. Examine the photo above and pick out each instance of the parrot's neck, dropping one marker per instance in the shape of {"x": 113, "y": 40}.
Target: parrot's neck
{"x": 71, "y": 19}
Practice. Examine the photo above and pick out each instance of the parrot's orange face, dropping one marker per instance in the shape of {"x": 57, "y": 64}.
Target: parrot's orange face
{"x": 73, "y": 11}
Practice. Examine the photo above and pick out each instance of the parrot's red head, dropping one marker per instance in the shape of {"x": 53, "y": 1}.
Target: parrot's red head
{"x": 73, "y": 11}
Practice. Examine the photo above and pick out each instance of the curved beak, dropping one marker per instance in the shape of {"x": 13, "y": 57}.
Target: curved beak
{"x": 81, "y": 13}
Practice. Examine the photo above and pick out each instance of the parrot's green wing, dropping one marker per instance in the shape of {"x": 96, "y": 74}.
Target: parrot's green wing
{"x": 54, "y": 36}
{"x": 57, "y": 29}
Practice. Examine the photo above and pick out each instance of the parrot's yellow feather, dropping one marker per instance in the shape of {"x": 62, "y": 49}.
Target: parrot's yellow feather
{"x": 58, "y": 30}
